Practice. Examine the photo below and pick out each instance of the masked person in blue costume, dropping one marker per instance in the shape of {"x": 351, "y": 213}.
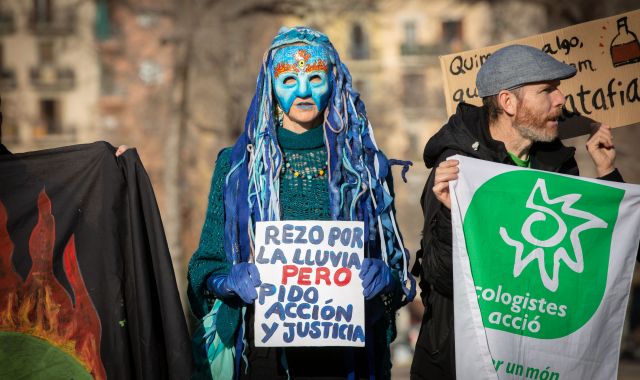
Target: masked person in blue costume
{"x": 307, "y": 153}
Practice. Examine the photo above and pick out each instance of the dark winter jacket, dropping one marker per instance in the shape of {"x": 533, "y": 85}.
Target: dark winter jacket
{"x": 3, "y": 150}
{"x": 466, "y": 133}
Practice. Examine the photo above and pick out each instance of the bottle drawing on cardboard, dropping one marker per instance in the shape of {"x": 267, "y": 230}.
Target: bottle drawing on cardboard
{"x": 625, "y": 48}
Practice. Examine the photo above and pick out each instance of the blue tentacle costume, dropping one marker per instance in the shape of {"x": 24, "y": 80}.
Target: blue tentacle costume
{"x": 358, "y": 172}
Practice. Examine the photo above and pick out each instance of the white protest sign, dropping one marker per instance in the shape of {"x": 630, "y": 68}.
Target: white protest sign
{"x": 542, "y": 269}
{"x": 311, "y": 292}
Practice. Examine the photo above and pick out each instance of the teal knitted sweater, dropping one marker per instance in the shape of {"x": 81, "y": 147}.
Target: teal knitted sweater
{"x": 303, "y": 196}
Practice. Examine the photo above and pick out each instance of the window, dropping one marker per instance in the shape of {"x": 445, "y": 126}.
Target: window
{"x": 410, "y": 33}
{"x": 414, "y": 94}
{"x": 359, "y": 43}
{"x": 7, "y": 75}
{"x": 42, "y": 10}
{"x": 106, "y": 23}
{"x": 45, "y": 52}
{"x": 103, "y": 20}
{"x": 49, "y": 113}
{"x": 452, "y": 31}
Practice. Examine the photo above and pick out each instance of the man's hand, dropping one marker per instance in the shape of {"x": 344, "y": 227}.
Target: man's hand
{"x": 445, "y": 172}
{"x": 600, "y": 147}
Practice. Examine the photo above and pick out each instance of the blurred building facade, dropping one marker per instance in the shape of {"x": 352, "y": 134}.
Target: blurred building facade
{"x": 48, "y": 73}
{"x": 174, "y": 79}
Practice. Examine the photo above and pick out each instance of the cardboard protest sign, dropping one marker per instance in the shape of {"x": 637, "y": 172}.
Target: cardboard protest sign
{"x": 543, "y": 264}
{"x": 311, "y": 292}
{"x": 605, "y": 52}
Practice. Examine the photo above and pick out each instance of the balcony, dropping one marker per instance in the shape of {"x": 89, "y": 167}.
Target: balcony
{"x": 60, "y": 23}
{"x": 422, "y": 49}
{"x": 52, "y": 78}
{"x": 441, "y": 48}
{"x": 7, "y": 22}
{"x": 8, "y": 79}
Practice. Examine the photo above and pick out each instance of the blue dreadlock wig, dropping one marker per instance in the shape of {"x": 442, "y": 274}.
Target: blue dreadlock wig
{"x": 357, "y": 169}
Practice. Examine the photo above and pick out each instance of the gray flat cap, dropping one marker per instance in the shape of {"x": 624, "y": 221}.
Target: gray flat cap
{"x": 516, "y": 65}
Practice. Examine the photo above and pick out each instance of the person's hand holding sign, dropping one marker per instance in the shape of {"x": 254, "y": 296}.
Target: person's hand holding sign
{"x": 445, "y": 172}
{"x": 376, "y": 277}
{"x": 241, "y": 281}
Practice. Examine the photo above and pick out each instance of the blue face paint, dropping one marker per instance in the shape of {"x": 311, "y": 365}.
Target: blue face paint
{"x": 302, "y": 72}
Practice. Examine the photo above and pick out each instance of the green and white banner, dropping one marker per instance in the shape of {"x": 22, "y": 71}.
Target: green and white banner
{"x": 542, "y": 269}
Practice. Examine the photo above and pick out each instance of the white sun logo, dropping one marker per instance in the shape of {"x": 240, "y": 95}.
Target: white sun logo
{"x": 552, "y": 281}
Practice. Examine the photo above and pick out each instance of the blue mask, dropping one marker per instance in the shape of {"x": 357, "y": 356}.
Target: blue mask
{"x": 302, "y": 72}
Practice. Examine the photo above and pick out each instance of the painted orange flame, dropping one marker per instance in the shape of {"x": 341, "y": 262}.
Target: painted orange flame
{"x": 283, "y": 67}
{"x": 318, "y": 65}
{"x": 9, "y": 280}
{"x": 302, "y": 55}
{"x": 41, "y": 306}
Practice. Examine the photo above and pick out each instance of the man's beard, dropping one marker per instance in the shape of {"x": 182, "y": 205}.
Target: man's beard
{"x": 533, "y": 126}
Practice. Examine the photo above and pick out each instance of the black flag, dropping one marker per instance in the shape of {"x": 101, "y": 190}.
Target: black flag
{"x": 87, "y": 288}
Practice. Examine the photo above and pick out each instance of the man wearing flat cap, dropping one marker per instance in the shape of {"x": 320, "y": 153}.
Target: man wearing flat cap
{"x": 516, "y": 125}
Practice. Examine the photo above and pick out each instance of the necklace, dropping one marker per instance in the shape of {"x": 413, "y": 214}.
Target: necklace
{"x": 301, "y": 173}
